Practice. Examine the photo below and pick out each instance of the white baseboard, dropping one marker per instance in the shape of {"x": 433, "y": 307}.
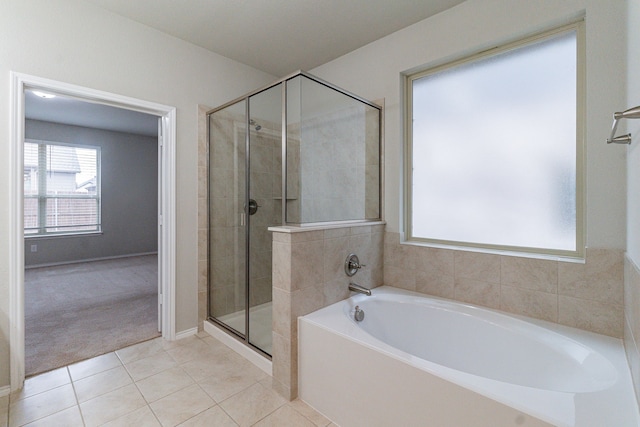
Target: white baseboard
{"x": 235, "y": 345}
{"x": 187, "y": 333}
{"x": 80, "y": 261}
{"x": 4, "y": 391}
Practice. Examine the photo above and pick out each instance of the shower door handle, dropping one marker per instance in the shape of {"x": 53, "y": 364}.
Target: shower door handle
{"x": 253, "y": 206}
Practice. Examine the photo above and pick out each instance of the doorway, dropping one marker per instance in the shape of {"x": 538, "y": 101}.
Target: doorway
{"x": 165, "y": 214}
{"x": 90, "y": 225}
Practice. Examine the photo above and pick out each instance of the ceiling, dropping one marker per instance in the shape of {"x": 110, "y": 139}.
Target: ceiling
{"x": 275, "y": 36}
{"x": 75, "y": 112}
{"x": 278, "y": 36}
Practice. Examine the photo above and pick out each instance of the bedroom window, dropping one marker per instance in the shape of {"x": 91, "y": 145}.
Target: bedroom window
{"x": 61, "y": 189}
{"x": 494, "y": 148}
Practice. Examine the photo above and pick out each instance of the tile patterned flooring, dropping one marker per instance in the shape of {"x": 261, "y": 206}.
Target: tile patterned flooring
{"x": 196, "y": 381}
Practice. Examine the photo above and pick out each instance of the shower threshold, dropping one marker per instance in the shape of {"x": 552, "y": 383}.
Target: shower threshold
{"x": 264, "y": 325}
{"x": 260, "y": 324}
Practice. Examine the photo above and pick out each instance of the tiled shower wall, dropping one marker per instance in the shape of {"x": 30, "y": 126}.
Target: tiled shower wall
{"x": 266, "y": 189}
{"x": 338, "y": 174}
{"x": 308, "y": 274}
{"x": 587, "y": 296}
{"x": 632, "y": 319}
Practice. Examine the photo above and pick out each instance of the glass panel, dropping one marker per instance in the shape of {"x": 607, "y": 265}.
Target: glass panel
{"x": 265, "y": 206}
{"x": 494, "y": 149}
{"x": 293, "y": 151}
{"x": 333, "y": 167}
{"x": 227, "y": 231}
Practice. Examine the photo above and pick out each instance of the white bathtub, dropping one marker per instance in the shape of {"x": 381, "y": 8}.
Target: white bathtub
{"x": 422, "y": 361}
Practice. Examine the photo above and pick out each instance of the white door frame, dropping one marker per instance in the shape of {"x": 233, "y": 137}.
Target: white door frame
{"x": 166, "y": 215}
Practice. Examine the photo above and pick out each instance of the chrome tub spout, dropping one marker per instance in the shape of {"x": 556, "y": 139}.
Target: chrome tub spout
{"x": 354, "y": 287}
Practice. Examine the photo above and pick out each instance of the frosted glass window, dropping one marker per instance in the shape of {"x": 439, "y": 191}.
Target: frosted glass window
{"x": 494, "y": 149}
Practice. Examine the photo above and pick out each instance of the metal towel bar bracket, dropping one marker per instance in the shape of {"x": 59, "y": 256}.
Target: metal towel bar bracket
{"x": 631, "y": 113}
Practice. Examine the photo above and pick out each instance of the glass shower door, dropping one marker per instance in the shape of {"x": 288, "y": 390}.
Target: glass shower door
{"x": 227, "y": 217}
{"x": 265, "y": 193}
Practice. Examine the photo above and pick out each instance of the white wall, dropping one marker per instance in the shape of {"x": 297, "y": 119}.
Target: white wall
{"x": 374, "y": 72}
{"x": 633, "y": 126}
{"x": 632, "y": 261}
{"x": 76, "y": 42}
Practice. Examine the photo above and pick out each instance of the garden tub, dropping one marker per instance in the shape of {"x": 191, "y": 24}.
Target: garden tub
{"x": 425, "y": 361}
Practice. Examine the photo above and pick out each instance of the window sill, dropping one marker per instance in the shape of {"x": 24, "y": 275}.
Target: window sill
{"x": 503, "y": 252}
{"x": 55, "y": 236}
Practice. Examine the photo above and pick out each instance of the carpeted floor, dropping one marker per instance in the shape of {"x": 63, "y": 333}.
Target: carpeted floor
{"x": 77, "y": 311}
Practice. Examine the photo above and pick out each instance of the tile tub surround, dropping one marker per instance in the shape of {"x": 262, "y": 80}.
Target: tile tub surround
{"x": 632, "y": 320}
{"x": 195, "y": 381}
{"x": 583, "y": 295}
{"x": 308, "y": 274}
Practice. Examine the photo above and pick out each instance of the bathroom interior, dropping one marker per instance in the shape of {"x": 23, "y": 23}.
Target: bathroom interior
{"x": 288, "y": 227}
{"x": 261, "y": 242}
{"x": 295, "y": 189}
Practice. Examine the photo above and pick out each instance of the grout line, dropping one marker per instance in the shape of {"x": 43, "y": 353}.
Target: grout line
{"x": 75, "y": 393}
{"x": 214, "y": 402}
{"x": 226, "y": 413}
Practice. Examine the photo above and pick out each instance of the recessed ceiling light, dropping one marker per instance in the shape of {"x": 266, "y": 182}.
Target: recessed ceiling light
{"x": 43, "y": 94}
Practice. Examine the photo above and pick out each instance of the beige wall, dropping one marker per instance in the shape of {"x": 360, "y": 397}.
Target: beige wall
{"x": 632, "y": 260}
{"x": 76, "y": 42}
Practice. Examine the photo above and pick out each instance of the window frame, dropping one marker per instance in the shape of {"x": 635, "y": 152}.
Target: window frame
{"x": 407, "y": 118}
{"x": 41, "y": 230}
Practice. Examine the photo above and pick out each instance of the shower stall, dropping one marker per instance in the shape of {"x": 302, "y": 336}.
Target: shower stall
{"x": 300, "y": 152}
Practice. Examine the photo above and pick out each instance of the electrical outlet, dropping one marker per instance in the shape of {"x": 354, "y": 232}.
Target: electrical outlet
{"x": 34, "y": 248}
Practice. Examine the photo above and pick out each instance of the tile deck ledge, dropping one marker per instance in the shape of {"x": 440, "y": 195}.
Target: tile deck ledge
{"x": 322, "y": 226}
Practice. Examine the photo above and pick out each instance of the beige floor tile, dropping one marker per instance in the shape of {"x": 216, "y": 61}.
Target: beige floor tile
{"x": 314, "y": 416}
{"x": 268, "y": 383}
{"x": 139, "y": 351}
{"x": 217, "y": 345}
{"x": 252, "y": 404}
{"x": 68, "y": 418}
{"x": 225, "y": 384}
{"x": 93, "y": 366}
{"x": 208, "y": 365}
{"x": 285, "y": 416}
{"x": 142, "y": 417}
{"x": 41, "y": 405}
{"x": 101, "y": 383}
{"x": 112, "y": 405}
{"x": 163, "y": 384}
{"x": 168, "y": 345}
{"x": 190, "y": 350}
{"x": 143, "y": 368}
{"x": 42, "y": 382}
{"x": 181, "y": 405}
{"x": 203, "y": 334}
{"x": 211, "y": 417}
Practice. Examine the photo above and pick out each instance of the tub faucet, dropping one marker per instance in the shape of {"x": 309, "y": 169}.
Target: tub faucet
{"x": 354, "y": 287}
